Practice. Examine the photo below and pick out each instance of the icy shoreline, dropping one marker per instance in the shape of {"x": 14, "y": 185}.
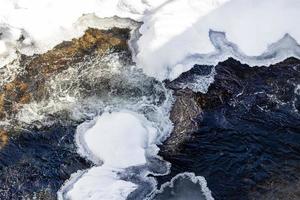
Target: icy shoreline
{"x": 174, "y": 34}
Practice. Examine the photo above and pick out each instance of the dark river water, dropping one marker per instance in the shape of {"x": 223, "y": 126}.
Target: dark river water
{"x": 35, "y": 164}
{"x": 247, "y": 145}
{"x": 235, "y": 153}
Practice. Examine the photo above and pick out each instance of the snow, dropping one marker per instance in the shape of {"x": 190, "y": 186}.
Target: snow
{"x": 168, "y": 35}
{"x": 114, "y": 138}
{"x": 172, "y": 30}
{"x": 181, "y": 28}
{"x": 119, "y": 140}
{"x": 46, "y": 23}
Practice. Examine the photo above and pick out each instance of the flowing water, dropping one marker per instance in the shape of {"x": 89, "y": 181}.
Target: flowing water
{"x": 69, "y": 147}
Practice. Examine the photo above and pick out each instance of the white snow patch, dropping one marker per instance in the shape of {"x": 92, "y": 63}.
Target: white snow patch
{"x": 43, "y": 24}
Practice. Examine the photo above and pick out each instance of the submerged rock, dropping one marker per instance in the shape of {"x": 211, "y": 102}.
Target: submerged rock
{"x": 184, "y": 114}
{"x": 247, "y": 133}
{"x": 279, "y": 84}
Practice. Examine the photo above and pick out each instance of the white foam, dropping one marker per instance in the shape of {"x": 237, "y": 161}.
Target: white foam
{"x": 87, "y": 89}
{"x": 119, "y": 140}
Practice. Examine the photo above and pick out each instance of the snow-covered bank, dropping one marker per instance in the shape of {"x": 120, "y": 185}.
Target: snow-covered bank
{"x": 173, "y": 30}
{"x": 181, "y": 29}
{"x": 33, "y": 26}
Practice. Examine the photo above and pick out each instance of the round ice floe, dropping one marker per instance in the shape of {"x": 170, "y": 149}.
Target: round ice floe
{"x": 98, "y": 183}
{"x": 120, "y": 140}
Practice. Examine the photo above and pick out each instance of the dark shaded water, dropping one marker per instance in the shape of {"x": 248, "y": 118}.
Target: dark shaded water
{"x": 234, "y": 159}
{"x": 36, "y": 164}
{"x": 247, "y": 145}
{"x": 249, "y": 135}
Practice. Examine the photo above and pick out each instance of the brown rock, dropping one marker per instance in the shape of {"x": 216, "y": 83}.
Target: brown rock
{"x": 2, "y": 114}
{"x": 30, "y": 84}
{"x": 3, "y": 138}
{"x": 183, "y": 113}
